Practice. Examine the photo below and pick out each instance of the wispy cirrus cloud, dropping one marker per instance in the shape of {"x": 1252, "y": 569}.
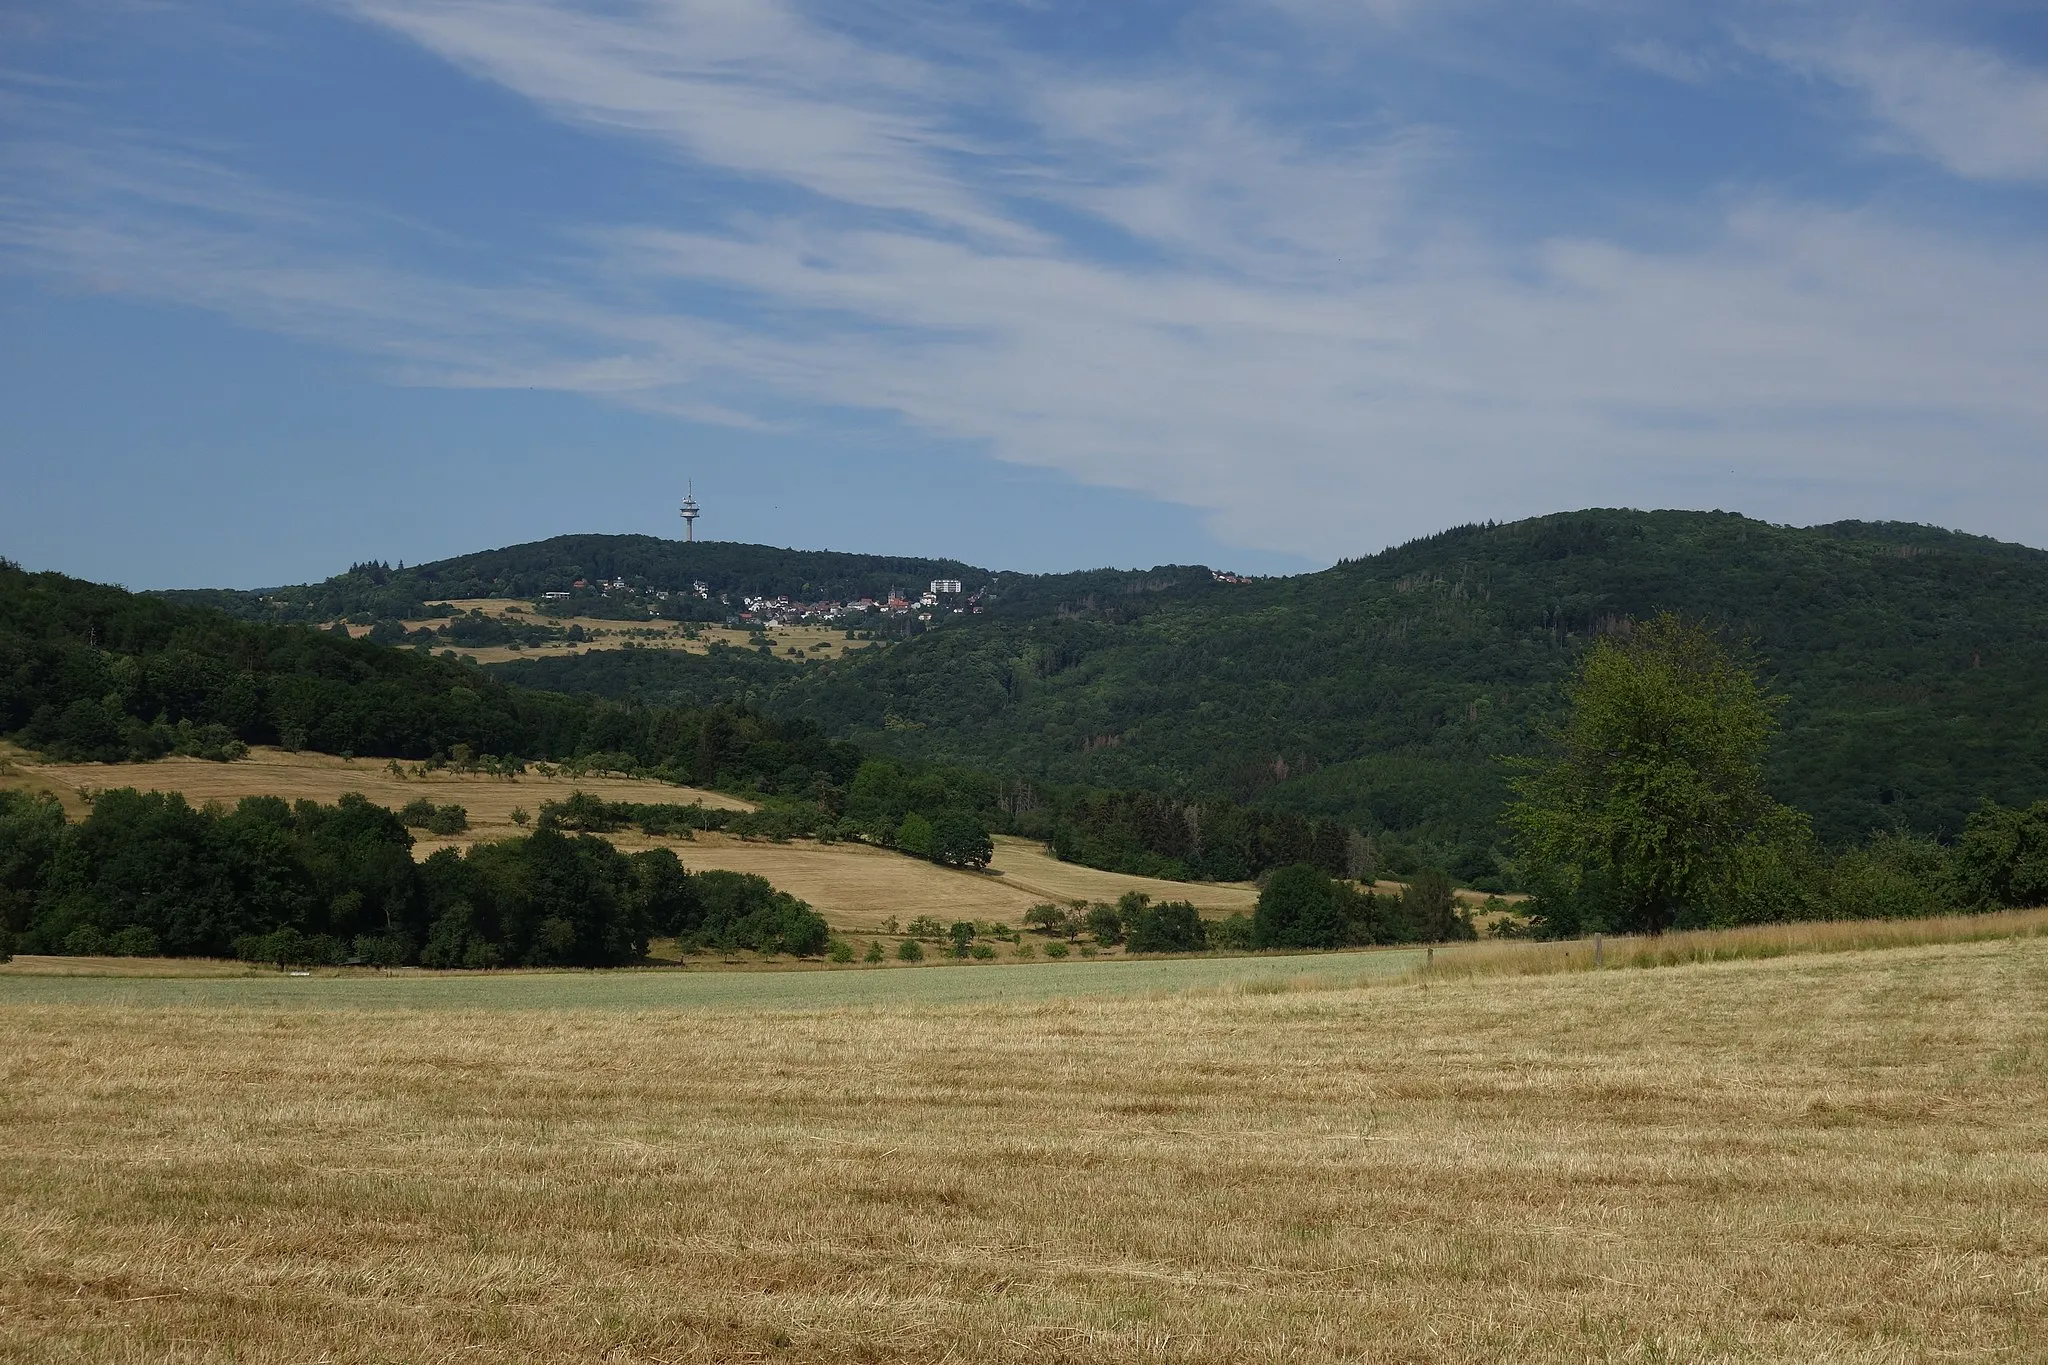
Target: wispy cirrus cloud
{"x": 753, "y": 89}
{"x": 1163, "y": 274}
{"x": 1976, "y": 111}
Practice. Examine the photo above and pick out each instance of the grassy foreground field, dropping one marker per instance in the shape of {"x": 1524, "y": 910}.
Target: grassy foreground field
{"x": 1836, "y": 1157}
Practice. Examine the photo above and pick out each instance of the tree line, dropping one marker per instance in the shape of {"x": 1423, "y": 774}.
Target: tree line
{"x": 147, "y": 874}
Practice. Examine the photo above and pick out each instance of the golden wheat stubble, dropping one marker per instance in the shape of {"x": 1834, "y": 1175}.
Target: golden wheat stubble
{"x": 1826, "y": 1158}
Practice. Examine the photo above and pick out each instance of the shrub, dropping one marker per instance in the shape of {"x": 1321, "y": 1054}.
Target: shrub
{"x": 382, "y": 950}
{"x": 287, "y": 947}
{"x": 981, "y": 950}
{"x": 1045, "y": 917}
{"x": 1431, "y": 905}
{"x": 1169, "y": 927}
{"x": 1024, "y": 950}
{"x": 450, "y": 819}
{"x": 925, "y": 926}
{"x": 85, "y": 941}
{"x": 1056, "y": 949}
{"x": 1894, "y": 876}
{"x": 2002, "y": 859}
{"x": 910, "y": 950}
{"x": 134, "y": 941}
{"x": 1761, "y": 880}
{"x": 215, "y": 743}
{"x": 1233, "y": 931}
{"x": 1299, "y": 909}
{"x": 914, "y": 835}
{"x": 420, "y": 813}
{"x": 582, "y": 811}
{"x": 874, "y": 952}
{"x": 783, "y": 924}
{"x": 1105, "y": 924}
{"x": 962, "y": 934}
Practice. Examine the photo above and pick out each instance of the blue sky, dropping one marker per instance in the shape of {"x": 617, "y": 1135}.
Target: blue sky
{"x": 1041, "y": 285}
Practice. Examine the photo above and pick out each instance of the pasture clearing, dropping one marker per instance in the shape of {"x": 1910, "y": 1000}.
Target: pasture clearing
{"x": 817, "y": 643}
{"x": 489, "y": 800}
{"x": 1836, "y": 1157}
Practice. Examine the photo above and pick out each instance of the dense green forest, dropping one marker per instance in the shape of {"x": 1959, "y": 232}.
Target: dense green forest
{"x": 93, "y": 673}
{"x": 659, "y": 677}
{"x": 1142, "y": 710}
{"x": 147, "y": 874}
{"x": 1381, "y": 692}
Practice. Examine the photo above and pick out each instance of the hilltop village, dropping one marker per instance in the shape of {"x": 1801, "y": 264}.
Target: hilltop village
{"x": 943, "y": 597}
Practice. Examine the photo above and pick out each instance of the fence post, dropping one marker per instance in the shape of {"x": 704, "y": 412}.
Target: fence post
{"x": 1596, "y": 952}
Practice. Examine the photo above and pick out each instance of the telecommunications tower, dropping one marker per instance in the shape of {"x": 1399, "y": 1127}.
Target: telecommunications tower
{"x": 690, "y": 514}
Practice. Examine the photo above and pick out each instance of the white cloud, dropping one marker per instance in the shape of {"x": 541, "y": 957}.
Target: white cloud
{"x": 1669, "y": 60}
{"x": 1145, "y": 282}
{"x": 750, "y": 88}
{"x": 1976, "y": 112}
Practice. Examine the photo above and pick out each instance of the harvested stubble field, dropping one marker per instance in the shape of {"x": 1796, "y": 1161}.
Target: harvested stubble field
{"x": 490, "y": 801}
{"x": 1836, "y": 1157}
{"x": 858, "y": 888}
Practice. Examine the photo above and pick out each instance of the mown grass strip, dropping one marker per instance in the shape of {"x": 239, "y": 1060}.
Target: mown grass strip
{"x": 1746, "y": 943}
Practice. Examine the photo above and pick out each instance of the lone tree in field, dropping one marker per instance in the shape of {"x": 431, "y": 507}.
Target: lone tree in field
{"x": 1657, "y": 787}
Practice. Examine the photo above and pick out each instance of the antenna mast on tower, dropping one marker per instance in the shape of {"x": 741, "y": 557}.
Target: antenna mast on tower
{"x": 690, "y": 513}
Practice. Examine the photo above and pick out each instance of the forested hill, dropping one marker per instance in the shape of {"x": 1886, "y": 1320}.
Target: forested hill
{"x": 1381, "y": 691}
{"x": 95, "y": 673}
{"x": 380, "y": 591}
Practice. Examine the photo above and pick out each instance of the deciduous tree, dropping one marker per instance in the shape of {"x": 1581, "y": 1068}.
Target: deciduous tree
{"x": 1655, "y": 790}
